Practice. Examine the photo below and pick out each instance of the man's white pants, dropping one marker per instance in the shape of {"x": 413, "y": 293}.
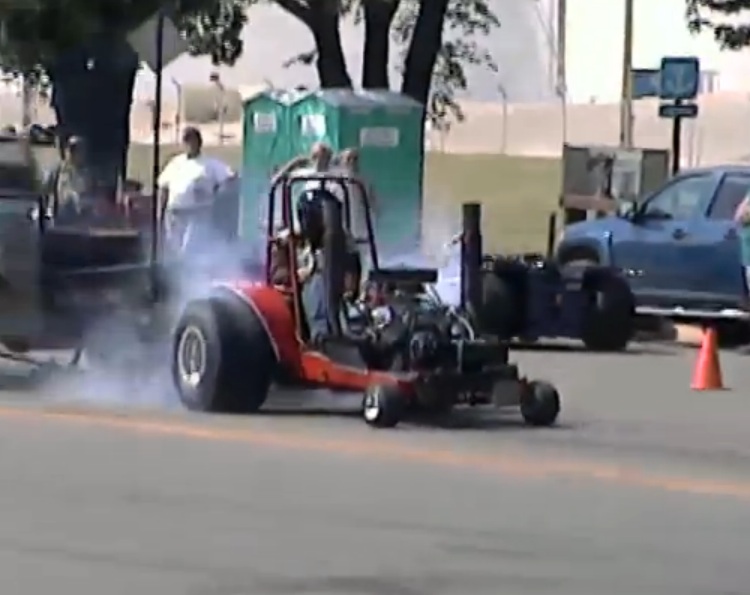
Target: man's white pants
{"x": 189, "y": 230}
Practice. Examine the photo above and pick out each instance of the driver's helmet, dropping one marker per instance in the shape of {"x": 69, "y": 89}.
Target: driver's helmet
{"x": 310, "y": 215}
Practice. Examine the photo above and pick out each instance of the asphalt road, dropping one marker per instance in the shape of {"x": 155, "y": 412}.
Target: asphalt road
{"x": 644, "y": 488}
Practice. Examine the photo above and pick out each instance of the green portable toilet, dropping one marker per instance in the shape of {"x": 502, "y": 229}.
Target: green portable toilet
{"x": 266, "y": 146}
{"x": 386, "y": 129}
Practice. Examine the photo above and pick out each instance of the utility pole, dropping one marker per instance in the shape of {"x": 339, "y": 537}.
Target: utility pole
{"x": 626, "y": 104}
{"x": 504, "y": 134}
{"x": 561, "y": 86}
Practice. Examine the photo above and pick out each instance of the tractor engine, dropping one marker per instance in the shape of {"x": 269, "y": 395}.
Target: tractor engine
{"x": 421, "y": 333}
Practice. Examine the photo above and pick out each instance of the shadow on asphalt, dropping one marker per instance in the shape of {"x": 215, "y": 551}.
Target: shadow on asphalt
{"x": 656, "y": 349}
{"x": 479, "y": 419}
{"x": 20, "y": 382}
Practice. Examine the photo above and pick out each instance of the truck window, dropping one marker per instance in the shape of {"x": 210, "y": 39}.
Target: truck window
{"x": 681, "y": 199}
{"x": 734, "y": 187}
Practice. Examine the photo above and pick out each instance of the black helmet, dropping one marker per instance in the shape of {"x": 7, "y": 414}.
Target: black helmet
{"x": 310, "y": 215}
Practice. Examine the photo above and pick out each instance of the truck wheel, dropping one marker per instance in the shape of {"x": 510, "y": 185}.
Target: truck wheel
{"x": 540, "y": 403}
{"x": 222, "y": 357}
{"x": 609, "y": 320}
{"x": 500, "y": 308}
{"x": 383, "y": 405}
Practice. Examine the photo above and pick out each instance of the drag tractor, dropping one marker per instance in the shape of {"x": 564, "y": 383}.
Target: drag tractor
{"x": 394, "y": 342}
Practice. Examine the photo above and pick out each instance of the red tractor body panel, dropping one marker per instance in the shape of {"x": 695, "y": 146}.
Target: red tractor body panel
{"x": 273, "y": 310}
{"x": 306, "y": 364}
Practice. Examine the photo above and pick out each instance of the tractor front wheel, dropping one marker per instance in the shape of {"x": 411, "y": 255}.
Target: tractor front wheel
{"x": 540, "y": 403}
{"x": 383, "y": 406}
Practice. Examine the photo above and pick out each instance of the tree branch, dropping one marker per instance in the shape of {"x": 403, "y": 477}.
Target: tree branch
{"x": 298, "y": 9}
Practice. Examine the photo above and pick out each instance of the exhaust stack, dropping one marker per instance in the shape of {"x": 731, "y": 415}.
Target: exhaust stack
{"x": 471, "y": 258}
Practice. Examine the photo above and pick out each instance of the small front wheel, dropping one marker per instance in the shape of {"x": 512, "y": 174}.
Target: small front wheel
{"x": 383, "y": 406}
{"x": 540, "y": 403}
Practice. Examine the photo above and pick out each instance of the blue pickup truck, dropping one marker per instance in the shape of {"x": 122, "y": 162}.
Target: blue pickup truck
{"x": 678, "y": 247}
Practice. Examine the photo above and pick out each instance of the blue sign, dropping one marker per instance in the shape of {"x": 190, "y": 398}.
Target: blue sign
{"x": 646, "y": 82}
{"x": 678, "y": 110}
{"x": 680, "y": 78}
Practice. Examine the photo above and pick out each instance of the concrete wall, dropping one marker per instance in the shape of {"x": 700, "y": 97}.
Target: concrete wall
{"x": 536, "y": 130}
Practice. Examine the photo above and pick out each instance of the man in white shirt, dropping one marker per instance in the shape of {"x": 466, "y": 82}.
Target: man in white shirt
{"x": 188, "y": 185}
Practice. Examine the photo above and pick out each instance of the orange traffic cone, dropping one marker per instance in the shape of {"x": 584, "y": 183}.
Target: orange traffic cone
{"x": 707, "y": 373}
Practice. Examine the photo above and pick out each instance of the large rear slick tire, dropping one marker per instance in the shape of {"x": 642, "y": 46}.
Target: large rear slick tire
{"x": 222, "y": 357}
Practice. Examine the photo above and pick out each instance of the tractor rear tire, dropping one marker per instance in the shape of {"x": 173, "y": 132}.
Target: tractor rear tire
{"x": 500, "y": 307}
{"x": 609, "y": 322}
{"x": 222, "y": 358}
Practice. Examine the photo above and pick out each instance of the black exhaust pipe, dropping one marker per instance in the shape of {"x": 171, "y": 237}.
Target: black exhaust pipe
{"x": 471, "y": 258}
{"x": 334, "y": 254}
{"x": 551, "y": 234}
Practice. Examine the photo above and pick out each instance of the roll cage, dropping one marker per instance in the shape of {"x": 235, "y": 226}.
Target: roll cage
{"x": 280, "y": 198}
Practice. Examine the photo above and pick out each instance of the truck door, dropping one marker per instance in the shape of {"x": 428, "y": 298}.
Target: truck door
{"x": 656, "y": 246}
{"x": 20, "y": 268}
{"x": 718, "y": 275}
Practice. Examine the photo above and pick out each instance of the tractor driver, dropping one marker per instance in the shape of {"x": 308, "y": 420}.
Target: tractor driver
{"x": 312, "y": 229}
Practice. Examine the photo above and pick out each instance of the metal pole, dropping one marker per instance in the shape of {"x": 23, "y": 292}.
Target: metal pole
{"x": 215, "y": 78}
{"x": 562, "y": 75}
{"x": 626, "y": 105}
{"x": 222, "y": 111}
{"x": 156, "y": 157}
{"x": 27, "y": 93}
{"x": 180, "y": 111}
{"x": 676, "y": 142}
{"x": 504, "y": 133}
{"x": 471, "y": 258}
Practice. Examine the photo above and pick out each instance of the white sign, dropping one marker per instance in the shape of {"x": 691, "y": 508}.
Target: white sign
{"x": 264, "y": 123}
{"x": 626, "y": 174}
{"x": 386, "y": 137}
{"x": 313, "y": 125}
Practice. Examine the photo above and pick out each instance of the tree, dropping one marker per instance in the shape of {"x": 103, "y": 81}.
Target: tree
{"x": 80, "y": 47}
{"x": 433, "y": 63}
{"x": 727, "y": 30}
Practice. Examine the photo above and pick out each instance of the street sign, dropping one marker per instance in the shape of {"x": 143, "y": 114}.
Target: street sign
{"x": 678, "y": 110}
{"x": 680, "y": 77}
{"x": 646, "y": 82}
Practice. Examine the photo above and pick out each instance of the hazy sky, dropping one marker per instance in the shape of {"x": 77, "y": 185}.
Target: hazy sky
{"x": 272, "y": 36}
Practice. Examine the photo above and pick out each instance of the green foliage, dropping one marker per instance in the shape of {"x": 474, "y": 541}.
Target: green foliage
{"x": 720, "y": 17}
{"x": 466, "y": 22}
{"x": 34, "y": 32}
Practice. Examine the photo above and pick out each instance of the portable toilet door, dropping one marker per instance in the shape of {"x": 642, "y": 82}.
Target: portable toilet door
{"x": 312, "y": 120}
{"x": 386, "y": 129}
{"x": 266, "y": 146}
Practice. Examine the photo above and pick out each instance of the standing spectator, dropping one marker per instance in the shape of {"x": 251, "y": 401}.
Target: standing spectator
{"x": 742, "y": 218}
{"x": 188, "y": 185}
{"x": 349, "y": 166}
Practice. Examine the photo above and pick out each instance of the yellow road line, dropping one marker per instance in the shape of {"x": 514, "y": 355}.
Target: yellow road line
{"x": 382, "y": 447}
